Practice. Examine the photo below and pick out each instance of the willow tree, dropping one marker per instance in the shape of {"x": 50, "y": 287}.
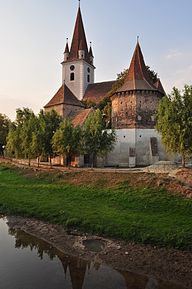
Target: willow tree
{"x": 174, "y": 122}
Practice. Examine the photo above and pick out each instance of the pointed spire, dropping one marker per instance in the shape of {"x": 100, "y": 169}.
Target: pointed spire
{"x": 79, "y": 37}
{"x": 66, "y": 47}
{"x": 137, "y": 69}
{"x": 81, "y": 45}
{"x": 137, "y": 77}
{"x": 90, "y": 51}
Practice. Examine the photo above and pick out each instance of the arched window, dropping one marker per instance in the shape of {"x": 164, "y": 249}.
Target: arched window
{"x": 72, "y": 76}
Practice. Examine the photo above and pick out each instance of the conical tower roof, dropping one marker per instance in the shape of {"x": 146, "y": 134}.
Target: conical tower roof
{"x": 137, "y": 77}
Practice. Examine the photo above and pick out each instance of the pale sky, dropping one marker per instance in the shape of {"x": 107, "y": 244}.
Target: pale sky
{"x": 33, "y": 34}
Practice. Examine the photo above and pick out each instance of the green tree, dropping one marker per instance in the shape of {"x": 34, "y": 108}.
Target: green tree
{"x": 49, "y": 122}
{"x": 67, "y": 140}
{"x": 37, "y": 140}
{"x": 13, "y": 147}
{"x": 27, "y": 133}
{"x": 97, "y": 141}
{"x": 174, "y": 122}
{"x": 4, "y": 129}
{"x": 19, "y": 139}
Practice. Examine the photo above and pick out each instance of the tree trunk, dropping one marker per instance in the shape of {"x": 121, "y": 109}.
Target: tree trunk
{"x": 50, "y": 162}
{"x": 183, "y": 161}
{"x": 38, "y": 161}
{"x": 94, "y": 160}
{"x": 29, "y": 162}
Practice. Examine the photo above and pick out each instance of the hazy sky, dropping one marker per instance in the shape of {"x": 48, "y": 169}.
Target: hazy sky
{"x": 33, "y": 33}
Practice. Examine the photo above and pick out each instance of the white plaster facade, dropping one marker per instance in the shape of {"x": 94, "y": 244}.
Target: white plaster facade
{"x": 83, "y": 76}
{"x": 136, "y": 141}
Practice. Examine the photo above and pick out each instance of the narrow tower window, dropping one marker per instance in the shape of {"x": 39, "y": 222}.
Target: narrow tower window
{"x": 88, "y": 78}
{"x": 72, "y": 76}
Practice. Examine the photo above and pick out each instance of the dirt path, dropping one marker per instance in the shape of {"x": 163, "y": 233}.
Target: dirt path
{"x": 178, "y": 181}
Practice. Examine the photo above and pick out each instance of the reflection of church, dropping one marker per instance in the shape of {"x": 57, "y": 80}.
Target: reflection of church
{"x": 81, "y": 274}
{"x": 134, "y": 104}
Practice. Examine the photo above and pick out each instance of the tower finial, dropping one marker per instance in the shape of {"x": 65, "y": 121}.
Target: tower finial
{"x": 137, "y": 38}
{"x": 79, "y": 3}
{"x": 90, "y": 43}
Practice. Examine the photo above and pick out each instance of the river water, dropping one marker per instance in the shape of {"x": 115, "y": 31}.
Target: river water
{"x": 29, "y": 263}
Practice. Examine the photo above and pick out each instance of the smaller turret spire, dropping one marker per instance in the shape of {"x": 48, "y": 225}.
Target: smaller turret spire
{"x": 66, "y": 47}
{"x": 90, "y": 50}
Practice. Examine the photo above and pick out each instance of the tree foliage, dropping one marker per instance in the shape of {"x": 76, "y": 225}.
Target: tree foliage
{"x": 67, "y": 140}
{"x": 97, "y": 141}
{"x": 174, "y": 121}
{"x": 49, "y": 123}
{"x": 152, "y": 75}
{"x": 30, "y": 136}
{"x": 46, "y": 135}
{"x": 4, "y": 129}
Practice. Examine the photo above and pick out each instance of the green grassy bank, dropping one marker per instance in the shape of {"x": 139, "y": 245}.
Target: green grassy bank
{"x": 143, "y": 215}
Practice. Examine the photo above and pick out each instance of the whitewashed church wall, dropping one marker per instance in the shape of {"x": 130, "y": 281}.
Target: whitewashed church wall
{"x": 138, "y": 139}
{"x": 120, "y": 154}
{"x": 143, "y": 151}
{"x": 80, "y": 82}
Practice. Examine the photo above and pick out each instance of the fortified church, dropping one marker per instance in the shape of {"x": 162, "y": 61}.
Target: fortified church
{"x": 134, "y": 104}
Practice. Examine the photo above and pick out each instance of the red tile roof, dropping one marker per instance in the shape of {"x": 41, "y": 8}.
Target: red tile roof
{"x": 64, "y": 96}
{"x": 79, "y": 41}
{"x": 96, "y": 92}
{"x": 90, "y": 52}
{"x": 159, "y": 86}
{"x": 138, "y": 77}
{"x": 66, "y": 48}
{"x": 81, "y": 116}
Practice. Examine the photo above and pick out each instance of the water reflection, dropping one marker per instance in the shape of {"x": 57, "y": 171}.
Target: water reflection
{"x": 78, "y": 273}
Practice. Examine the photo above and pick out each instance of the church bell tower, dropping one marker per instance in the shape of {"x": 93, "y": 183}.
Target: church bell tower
{"x": 77, "y": 67}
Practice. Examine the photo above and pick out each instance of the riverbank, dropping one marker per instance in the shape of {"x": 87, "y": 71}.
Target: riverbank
{"x": 114, "y": 208}
{"x": 166, "y": 264}
{"x": 135, "y": 207}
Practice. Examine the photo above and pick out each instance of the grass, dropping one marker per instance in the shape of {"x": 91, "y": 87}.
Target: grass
{"x": 144, "y": 215}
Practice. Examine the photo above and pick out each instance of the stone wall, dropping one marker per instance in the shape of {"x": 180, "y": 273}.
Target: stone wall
{"x": 64, "y": 110}
{"x": 123, "y": 111}
{"x": 58, "y": 108}
{"x": 146, "y": 108}
{"x": 134, "y": 109}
